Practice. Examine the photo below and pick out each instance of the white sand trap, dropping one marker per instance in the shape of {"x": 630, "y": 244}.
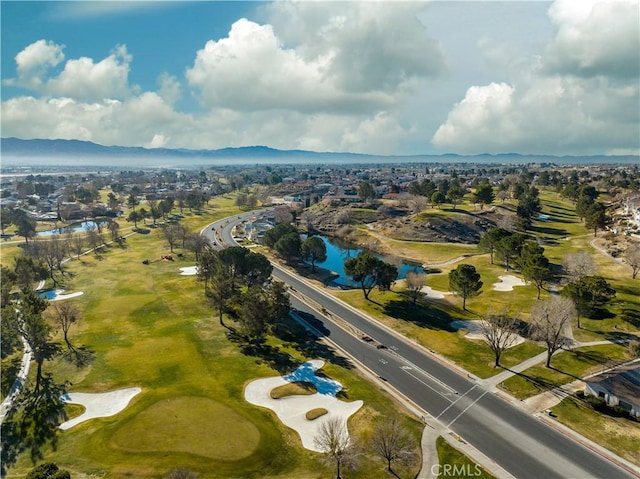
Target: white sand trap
{"x": 291, "y": 410}
{"x": 507, "y": 282}
{"x": 431, "y": 293}
{"x": 67, "y": 296}
{"x": 474, "y": 331}
{"x": 542, "y": 217}
{"x": 189, "y": 270}
{"x": 99, "y": 405}
{"x": 58, "y": 294}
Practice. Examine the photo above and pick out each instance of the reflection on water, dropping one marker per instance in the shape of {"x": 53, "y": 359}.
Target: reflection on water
{"x": 81, "y": 227}
{"x": 339, "y": 251}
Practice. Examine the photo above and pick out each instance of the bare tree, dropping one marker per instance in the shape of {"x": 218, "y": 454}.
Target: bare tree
{"x": 172, "y": 233}
{"x": 114, "y": 229}
{"x": 181, "y": 473}
{"x": 65, "y": 314}
{"x": 414, "y": 282}
{"x": 579, "y": 264}
{"x": 632, "y": 255}
{"x": 78, "y": 245}
{"x": 393, "y": 443}
{"x": 333, "y": 440}
{"x": 417, "y": 203}
{"x": 500, "y": 330}
{"x": 549, "y": 321}
{"x": 282, "y": 214}
{"x": 198, "y": 243}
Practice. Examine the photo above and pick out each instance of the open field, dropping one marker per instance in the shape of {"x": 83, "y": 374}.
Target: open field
{"x": 617, "y": 434}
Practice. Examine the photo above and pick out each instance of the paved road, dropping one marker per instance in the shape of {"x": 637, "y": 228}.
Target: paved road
{"x": 520, "y": 443}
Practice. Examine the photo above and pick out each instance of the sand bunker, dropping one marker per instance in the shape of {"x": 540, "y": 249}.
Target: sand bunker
{"x": 474, "y": 331}
{"x": 189, "y": 270}
{"x": 98, "y": 405}
{"x": 507, "y": 282}
{"x": 431, "y": 293}
{"x": 57, "y": 294}
{"x": 291, "y": 410}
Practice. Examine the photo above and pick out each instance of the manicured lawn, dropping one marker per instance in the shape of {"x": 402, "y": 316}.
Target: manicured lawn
{"x": 148, "y": 326}
{"x": 617, "y": 434}
{"x": 567, "y": 366}
{"x": 455, "y": 464}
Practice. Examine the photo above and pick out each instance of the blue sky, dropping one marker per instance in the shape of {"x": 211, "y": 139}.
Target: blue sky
{"x": 374, "y": 77}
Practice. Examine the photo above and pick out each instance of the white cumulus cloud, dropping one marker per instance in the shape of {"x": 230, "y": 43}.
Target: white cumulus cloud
{"x": 580, "y": 97}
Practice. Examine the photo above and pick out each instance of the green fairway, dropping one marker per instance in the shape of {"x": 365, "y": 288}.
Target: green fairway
{"x": 150, "y": 327}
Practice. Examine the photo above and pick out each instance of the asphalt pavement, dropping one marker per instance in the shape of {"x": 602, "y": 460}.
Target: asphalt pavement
{"x": 520, "y": 443}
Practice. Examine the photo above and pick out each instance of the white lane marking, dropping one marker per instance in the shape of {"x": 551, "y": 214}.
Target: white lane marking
{"x": 453, "y": 403}
{"x": 467, "y": 408}
{"x": 428, "y": 385}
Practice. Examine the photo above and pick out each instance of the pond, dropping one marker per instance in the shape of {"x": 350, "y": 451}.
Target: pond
{"x": 339, "y": 251}
{"x": 81, "y": 227}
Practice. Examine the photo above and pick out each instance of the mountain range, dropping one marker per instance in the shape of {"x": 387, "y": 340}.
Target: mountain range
{"x": 89, "y": 153}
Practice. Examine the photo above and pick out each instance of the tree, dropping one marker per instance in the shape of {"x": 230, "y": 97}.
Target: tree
{"x": 65, "y": 314}
{"x": 272, "y": 235}
{"x": 632, "y": 255}
{"x": 416, "y": 203}
{"x": 195, "y": 242}
{"x": 437, "y": 198}
{"x": 132, "y": 202}
{"x": 537, "y": 270}
{"x": 333, "y": 440}
{"x": 245, "y": 267}
{"x": 25, "y": 226}
{"x": 366, "y": 191}
{"x": 414, "y": 283}
{"x": 454, "y": 195}
{"x": 484, "y": 194}
{"x": 288, "y": 246}
{"x": 134, "y": 217}
{"x": 549, "y": 320}
{"x": 588, "y": 293}
{"x": 220, "y": 293}
{"x": 500, "y": 330}
{"x": 181, "y": 473}
{"x": 280, "y": 306}
{"x": 172, "y": 233}
{"x": 255, "y": 313}
{"x": 578, "y": 264}
{"x": 35, "y": 330}
{"x": 48, "y": 470}
{"x": 393, "y": 443}
{"x": 28, "y": 270}
{"x": 314, "y": 250}
{"x": 509, "y": 247}
{"x": 114, "y": 229}
{"x": 465, "y": 281}
{"x": 370, "y": 271}
{"x": 489, "y": 240}
{"x": 596, "y": 217}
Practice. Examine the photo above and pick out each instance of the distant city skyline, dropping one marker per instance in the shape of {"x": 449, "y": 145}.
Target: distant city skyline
{"x": 384, "y": 78}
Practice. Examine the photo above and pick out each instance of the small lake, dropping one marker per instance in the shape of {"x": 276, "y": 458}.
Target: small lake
{"x": 81, "y": 227}
{"x": 339, "y": 251}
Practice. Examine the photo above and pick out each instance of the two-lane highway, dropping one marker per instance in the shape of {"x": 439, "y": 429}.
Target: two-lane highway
{"x": 520, "y": 443}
